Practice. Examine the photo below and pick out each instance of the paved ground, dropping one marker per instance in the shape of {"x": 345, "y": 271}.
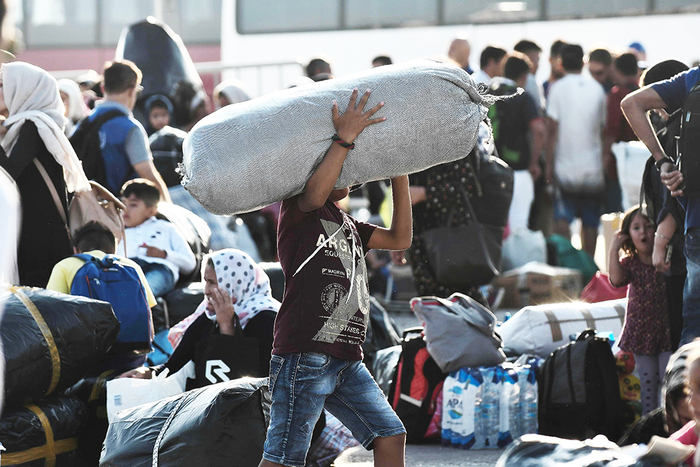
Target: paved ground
{"x": 425, "y": 456}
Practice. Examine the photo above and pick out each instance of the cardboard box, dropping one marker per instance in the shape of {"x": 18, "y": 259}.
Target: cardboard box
{"x": 538, "y": 283}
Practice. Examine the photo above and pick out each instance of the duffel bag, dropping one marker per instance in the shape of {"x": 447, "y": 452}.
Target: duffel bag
{"x": 254, "y": 153}
{"x": 45, "y": 433}
{"x": 51, "y": 340}
{"x": 416, "y": 386}
{"x": 541, "y": 329}
{"x": 219, "y": 425}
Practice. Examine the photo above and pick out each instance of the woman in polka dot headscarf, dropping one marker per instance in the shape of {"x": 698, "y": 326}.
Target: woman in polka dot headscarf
{"x": 236, "y": 289}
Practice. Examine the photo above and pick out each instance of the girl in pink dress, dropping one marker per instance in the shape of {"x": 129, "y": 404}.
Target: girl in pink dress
{"x": 646, "y": 330}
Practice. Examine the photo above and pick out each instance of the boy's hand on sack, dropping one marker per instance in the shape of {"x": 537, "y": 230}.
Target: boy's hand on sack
{"x": 138, "y": 373}
{"x": 354, "y": 119}
{"x": 223, "y": 306}
{"x": 618, "y": 239}
{"x": 154, "y": 252}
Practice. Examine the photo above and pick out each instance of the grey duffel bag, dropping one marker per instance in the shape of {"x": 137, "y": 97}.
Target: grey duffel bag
{"x": 252, "y": 154}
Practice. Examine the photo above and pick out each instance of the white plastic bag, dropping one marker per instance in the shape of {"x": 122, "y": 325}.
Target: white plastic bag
{"x": 522, "y": 247}
{"x": 125, "y": 393}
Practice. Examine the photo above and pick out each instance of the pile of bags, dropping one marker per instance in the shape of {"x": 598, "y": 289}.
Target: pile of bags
{"x": 50, "y": 340}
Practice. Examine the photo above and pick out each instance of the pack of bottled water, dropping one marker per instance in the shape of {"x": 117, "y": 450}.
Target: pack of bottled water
{"x": 488, "y": 407}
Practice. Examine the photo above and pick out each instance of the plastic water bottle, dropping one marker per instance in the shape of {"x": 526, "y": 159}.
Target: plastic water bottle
{"x": 490, "y": 401}
{"x": 528, "y": 399}
{"x": 509, "y": 407}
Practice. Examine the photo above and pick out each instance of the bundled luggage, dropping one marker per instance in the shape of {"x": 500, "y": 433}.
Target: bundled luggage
{"x": 579, "y": 393}
{"x": 541, "y": 329}
{"x": 219, "y": 425}
{"x": 270, "y": 145}
{"x": 51, "y": 340}
{"x": 381, "y": 332}
{"x": 488, "y": 407}
{"x": 45, "y": 433}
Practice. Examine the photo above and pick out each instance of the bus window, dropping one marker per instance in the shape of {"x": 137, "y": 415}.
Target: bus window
{"x": 673, "y": 6}
{"x": 200, "y": 20}
{"x": 362, "y": 14}
{"x": 269, "y": 16}
{"x": 489, "y": 11}
{"x": 56, "y": 23}
{"x": 561, "y": 9}
{"x": 116, "y": 14}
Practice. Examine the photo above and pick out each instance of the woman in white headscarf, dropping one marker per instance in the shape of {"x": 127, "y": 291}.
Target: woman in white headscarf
{"x": 236, "y": 290}
{"x": 72, "y": 98}
{"x": 39, "y": 157}
{"x": 231, "y": 91}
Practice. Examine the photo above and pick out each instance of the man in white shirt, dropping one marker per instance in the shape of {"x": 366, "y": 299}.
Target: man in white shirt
{"x": 492, "y": 61}
{"x": 576, "y": 108}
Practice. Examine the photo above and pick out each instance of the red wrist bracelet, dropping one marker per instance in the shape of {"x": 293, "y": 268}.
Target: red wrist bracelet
{"x": 344, "y": 144}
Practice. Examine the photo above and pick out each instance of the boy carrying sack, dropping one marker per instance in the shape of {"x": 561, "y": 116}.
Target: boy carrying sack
{"x": 321, "y": 325}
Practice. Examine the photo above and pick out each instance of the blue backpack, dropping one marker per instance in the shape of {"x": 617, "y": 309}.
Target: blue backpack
{"x": 120, "y": 286}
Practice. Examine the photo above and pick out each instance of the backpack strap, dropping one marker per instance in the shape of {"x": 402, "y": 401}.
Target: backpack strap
{"x": 52, "y": 189}
{"x": 103, "y": 118}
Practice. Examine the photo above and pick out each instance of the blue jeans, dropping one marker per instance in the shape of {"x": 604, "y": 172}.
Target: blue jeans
{"x": 691, "y": 291}
{"x": 303, "y": 384}
{"x": 160, "y": 278}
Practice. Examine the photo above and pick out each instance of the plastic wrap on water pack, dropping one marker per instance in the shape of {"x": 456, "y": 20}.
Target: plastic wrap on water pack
{"x": 488, "y": 407}
{"x": 252, "y": 154}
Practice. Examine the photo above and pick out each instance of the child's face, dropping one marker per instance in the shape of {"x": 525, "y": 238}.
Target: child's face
{"x": 642, "y": 234}
{"x": 158, "y": 118}
{"x": 694, "y": 389}
{"x": 136, "y": 211}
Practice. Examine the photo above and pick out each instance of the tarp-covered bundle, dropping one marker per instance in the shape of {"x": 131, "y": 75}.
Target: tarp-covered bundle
{"x": 43, "y": 434}
{"x": 92, "y": 390}
{"x": 219, "y": 425}
{"x": 255, "y": 153}
{"x": 541, "y": 329}
{"x": 51, "y": 340}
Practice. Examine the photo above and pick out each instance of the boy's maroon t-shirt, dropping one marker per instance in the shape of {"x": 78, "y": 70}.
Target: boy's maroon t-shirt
{"x": 316, "y": 314}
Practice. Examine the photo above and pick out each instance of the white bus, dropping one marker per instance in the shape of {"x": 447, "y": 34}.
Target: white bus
{"x": 350, "y": 33}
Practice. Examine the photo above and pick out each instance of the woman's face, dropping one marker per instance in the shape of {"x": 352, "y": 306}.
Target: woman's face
{"x": 210, "y": 284}
{"x": 66, "y": 102}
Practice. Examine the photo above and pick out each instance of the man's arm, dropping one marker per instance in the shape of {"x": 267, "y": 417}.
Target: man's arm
{"x": 348, "y": 127}
{"x": 400, "y": 234}
{"x": 538, "y": 129}
{"x": 635, "y": 106}
{"x": 147, "y": 170}
{"x": 552, "y": 130}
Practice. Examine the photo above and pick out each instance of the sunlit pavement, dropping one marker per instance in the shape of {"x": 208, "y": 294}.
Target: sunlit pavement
{"x": 425, "y": 456}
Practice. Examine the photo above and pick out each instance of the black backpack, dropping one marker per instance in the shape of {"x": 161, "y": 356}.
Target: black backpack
{"x": 415, "y": 387}
{"x": 579, "y": 391}
{"x": 689, "y": 142}
{"x": 86, "y": 142}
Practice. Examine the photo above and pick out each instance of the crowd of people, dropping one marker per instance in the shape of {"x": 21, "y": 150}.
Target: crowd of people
{"x": 558, "y": 136}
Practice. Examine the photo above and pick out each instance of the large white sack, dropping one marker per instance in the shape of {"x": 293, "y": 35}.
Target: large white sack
{"x": 252, "y": 154}
{"x": 541, "y": 329}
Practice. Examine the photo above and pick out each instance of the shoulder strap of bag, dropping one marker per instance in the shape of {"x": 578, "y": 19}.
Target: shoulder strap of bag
{"x": 479, "y": 232}
{"x": 52, "y": 189}
{"x": 100, "y": 120}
